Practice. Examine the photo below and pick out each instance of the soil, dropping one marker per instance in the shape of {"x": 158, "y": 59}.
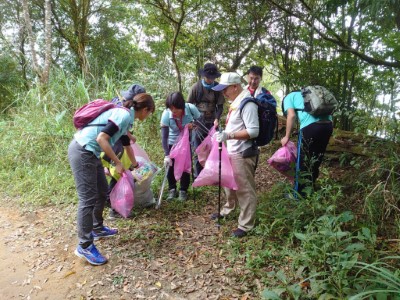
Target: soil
{"x": 183, "y": 257}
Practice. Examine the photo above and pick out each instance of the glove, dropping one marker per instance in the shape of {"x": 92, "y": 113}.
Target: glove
{"x": 221, "y": 136}
{"x": 167, "y": 161}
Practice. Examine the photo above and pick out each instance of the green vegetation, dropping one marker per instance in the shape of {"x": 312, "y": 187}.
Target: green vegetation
{"x": 340, "y": 242}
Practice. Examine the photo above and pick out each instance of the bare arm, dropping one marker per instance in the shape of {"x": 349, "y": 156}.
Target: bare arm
{"x": 290, "y": 120}
{"x": 103, "y": 139}
{"x": 131, "y": 155}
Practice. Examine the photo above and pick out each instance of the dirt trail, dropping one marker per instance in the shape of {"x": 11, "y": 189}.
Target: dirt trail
{"x": 34, "y": 261}
{"x": 153, "y": 257}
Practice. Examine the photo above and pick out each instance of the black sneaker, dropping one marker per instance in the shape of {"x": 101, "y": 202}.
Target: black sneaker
{"x": 215, "y": 216}
{"x": 239, "y": 233}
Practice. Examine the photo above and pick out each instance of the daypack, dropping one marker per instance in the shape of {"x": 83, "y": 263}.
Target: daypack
{"x": 267, "y": 117}
{"x": 90, "y": 111}
{"x": 318, "y": 101}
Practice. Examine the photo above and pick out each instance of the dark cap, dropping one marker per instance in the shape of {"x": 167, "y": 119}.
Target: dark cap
{"x": 133, "y": 91}
{"x": 210, "y": 71}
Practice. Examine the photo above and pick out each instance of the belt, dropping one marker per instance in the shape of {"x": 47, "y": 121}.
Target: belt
{"x": 324, "y": 122}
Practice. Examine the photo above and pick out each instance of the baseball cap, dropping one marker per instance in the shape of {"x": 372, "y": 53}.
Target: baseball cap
{"x": 133, "y": 91}
{"x": 227, "y": 79}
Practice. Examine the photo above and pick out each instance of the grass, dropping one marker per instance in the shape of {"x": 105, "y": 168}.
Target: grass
{"x": 325, "y": 245}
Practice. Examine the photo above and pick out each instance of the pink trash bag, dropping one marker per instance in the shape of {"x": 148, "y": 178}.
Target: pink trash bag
{"x": 140, "y": 155}
{"x": 210, "y": 174}
{"x": 181, "y": 153}
{"x": 204, "y": 149}
{"x": 121, "y": 197}
{"x": 284, "y": 160}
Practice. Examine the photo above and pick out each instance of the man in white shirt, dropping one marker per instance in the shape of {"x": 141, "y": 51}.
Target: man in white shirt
{"x": 241, "y": 128}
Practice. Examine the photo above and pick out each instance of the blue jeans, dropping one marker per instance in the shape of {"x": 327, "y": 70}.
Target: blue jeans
{"x": 91, "y": 186}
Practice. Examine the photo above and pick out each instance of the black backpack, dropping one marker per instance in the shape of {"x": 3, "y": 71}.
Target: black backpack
{"x": 267, "y": 116}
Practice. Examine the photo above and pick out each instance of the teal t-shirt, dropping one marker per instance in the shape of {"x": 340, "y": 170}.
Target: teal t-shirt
{"x": 295, "y": 100}
{"x": 167, "y": 120}
{"x": 122, "y": 118}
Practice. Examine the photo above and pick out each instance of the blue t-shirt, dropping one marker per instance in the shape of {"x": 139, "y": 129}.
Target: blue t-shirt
{"x": 295, "y": 100}
{"x": 122, "y": 118}
{"x": 191, "y": 114}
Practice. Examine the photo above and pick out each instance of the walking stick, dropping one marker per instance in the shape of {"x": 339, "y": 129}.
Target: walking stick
{"x": 219, "y": 181}
{"x": 162, "y": 187}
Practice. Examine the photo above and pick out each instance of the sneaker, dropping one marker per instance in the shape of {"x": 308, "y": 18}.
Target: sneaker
{"x": 183, "y": 195}
{"x": 104, "y": 232}
{"x": 215, "y": 216}
{"x": 91, "y": 254}
{"x": 239, "y": 233}
{"x": 171, "y": 194}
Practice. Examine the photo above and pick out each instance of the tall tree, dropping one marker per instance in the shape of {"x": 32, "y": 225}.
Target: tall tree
{"x": 41, "y": 72}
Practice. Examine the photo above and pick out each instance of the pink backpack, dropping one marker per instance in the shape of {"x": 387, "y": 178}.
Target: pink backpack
{"x": 90, "y": 111}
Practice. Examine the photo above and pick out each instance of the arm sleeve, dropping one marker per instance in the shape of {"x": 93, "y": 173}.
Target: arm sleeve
{"x": 125, "y": 140}
{"x": 164, "y": 139}
{"x": 110, "y": 128}
{"x": 218, "y": 112}
{"x": 250, "y": 119}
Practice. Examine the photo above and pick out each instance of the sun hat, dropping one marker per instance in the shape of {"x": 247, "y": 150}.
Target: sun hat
{"x": 210, "y": 71}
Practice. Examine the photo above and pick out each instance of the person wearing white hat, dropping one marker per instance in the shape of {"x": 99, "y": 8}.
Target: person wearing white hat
{"x": 241, "y": 127}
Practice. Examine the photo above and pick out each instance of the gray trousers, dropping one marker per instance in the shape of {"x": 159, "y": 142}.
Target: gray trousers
{"x": 91, "y": 186}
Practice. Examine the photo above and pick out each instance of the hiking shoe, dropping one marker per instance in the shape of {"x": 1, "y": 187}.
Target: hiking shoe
{"x": 171, "y": 194}
{"x": 215, "y": 216}
{"x": 239, "y": 233}
{"x": 104, "y": 232}
{"x": 183, "y": 195}
{"x": 114, "y": 215}
{"x": 91, "y": 254}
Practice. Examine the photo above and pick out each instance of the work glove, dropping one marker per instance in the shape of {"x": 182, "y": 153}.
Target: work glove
{"x": 220, "y": 136}
{"x": 167, "y": 161}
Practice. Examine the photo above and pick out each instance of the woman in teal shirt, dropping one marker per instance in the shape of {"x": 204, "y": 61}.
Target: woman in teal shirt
{"x": 175, "y": 117}
{"x": 315, "y": 132}
{"x": 91, "y": 184}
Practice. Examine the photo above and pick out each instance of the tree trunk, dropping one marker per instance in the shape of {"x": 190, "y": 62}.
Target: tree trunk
{"x": 48, "y": 42}
{"x": 31, "y": 37}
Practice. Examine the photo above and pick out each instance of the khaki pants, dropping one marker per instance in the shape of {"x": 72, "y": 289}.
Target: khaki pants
{"x": 245, "y": 196}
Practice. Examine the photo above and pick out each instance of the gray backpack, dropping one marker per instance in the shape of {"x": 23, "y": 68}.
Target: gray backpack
{"x": 318, "y": 101}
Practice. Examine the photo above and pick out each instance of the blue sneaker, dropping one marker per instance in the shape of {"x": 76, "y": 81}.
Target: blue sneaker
{"x": 91, "y": 254}
{"x": 104, "y": 232}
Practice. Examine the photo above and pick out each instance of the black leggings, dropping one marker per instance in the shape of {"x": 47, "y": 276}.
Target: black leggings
{"x": 315, "y": 138}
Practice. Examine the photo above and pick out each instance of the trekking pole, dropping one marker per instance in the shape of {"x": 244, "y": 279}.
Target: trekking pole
{"x": 162, "y": 187}
{"x": 296, "y": 181}
{"x": 219, "y": 180}
{"x": 192, "y": 169}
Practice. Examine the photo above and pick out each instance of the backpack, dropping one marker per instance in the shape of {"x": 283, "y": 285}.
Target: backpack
{"x": 318, "y": 101}
{"x": 90, "y": 111}
{"x": 267, "y": 117}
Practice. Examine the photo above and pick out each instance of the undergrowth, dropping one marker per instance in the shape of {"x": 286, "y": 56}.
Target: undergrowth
{"x": 327, "y": 245}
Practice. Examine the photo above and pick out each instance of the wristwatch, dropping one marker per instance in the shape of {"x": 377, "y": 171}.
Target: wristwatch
{"x": 232, "y": 135}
